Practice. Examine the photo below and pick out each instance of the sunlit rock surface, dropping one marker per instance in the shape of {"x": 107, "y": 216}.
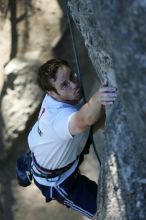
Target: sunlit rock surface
{"x": 20, "y": 98}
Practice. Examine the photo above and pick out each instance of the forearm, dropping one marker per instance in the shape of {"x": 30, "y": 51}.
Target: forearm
{"x": 100, "y": 123}
{"x": 91, "y": 111}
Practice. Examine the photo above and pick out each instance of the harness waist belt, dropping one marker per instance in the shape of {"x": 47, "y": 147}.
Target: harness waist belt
{"x": 46, "y": 173}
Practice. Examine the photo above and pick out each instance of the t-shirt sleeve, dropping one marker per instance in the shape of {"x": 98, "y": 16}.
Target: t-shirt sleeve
{"x": 61, "y": 123}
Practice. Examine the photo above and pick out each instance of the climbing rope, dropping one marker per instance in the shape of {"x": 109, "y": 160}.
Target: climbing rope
{"x": 74, "y": 46}
{"x": 79, "y": 72}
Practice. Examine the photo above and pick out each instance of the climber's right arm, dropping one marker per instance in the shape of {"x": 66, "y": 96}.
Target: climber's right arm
{"x": 91, "y": 110}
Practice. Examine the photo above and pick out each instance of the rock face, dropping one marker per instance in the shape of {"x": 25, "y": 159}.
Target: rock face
{"x": 114, "y": 33}
{"x": 20, "y": 98}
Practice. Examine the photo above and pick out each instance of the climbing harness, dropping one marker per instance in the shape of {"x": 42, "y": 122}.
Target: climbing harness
{"x": 46, "y": 173}
{"x": 78, "y": 73}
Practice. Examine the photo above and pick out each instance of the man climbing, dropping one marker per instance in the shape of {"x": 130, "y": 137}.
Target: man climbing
{"x": 60, "y": 133}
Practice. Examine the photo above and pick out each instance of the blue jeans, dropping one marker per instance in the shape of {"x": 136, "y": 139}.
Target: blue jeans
{"x": 76, "y": 192}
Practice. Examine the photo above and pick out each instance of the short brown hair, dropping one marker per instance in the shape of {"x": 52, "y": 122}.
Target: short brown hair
{"x": 48, "y": 71}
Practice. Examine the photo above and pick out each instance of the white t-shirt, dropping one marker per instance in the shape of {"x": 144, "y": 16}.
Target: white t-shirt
{"x": 55, "y": 147}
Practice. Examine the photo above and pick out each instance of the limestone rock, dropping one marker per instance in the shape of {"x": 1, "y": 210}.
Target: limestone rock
{"x": 20, "y": 98}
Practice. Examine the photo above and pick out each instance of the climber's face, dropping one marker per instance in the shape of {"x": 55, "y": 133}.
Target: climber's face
{"x": 66, "y": 85}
